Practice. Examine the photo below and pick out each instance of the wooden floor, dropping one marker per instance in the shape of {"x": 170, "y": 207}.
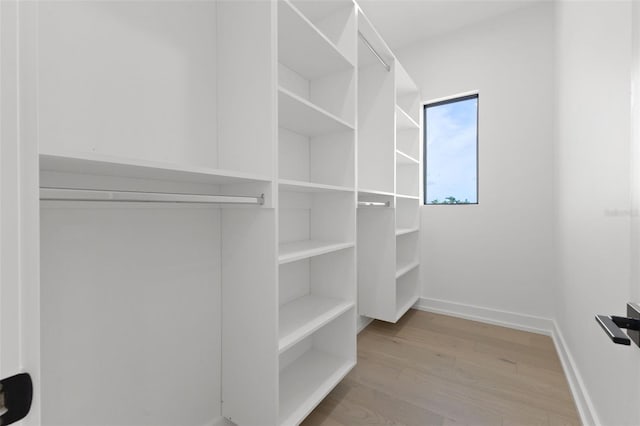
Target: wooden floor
{"x": 431, "y": 369}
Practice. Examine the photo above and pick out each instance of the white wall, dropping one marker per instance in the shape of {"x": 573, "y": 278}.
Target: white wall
{"x": 592, "y": 200}
{"x": 130, "y": 315}
{"x": 498, "y": 254}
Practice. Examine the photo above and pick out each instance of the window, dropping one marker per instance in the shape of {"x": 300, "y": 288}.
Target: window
{"x": 451, "y": 151}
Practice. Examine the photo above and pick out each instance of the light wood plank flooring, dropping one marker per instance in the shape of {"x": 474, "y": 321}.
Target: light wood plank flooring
{"x": 431, "y": 369}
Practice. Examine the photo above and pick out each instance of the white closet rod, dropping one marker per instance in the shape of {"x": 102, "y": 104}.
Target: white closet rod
{"x": 366, "y": 42}
{"x": 374, "y": 204}
{"x": 71, "y": 194}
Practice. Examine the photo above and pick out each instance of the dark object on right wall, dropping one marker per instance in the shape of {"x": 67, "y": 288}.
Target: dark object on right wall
{"x": 613, "y": 325}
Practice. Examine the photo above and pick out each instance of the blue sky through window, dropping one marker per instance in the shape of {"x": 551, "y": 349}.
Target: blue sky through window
{"x": 451, "y": 151}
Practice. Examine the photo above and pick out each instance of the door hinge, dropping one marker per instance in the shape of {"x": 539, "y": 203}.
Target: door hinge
{"x": 16, "y": 393}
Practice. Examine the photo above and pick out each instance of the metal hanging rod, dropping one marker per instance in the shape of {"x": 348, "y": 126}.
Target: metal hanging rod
{"x": 374, "y": 203}
{"x": 71, "y": 194}
{"x": 376, "y": 54}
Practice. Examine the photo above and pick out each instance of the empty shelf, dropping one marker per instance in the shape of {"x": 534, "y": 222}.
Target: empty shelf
{"x": 302, "y": 117}
{"x": 302, "y": 186}
{"x": 301, "y": 317}
{"x": 303, "y": 48}
{"x": 374, "y": 192}
{"x": 290, "y": 252}
{"x": 306, "y": 382}
{"x": 404, "y": 121}
{"x": 104, "y": 165}
{"x": 406, "y": 268}
{"x": 404, "y": 231}
{"x": 403, "y": 158}
{"x": 408, "y": 197}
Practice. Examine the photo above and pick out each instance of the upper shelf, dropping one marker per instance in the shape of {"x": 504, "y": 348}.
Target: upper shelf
{"x": 374, "y": 192}
{"x": 303, "y": 48}
{"x": 302, "y": 186}
{"x": 406, "y": 196}
{"x": 302, "y": 117}
{"x": 103, "y": 165}
{"x": 404, "y": 120}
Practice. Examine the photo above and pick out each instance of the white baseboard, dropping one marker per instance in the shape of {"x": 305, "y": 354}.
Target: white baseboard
{"x": 581, "y": 397}
{"x": 533, "y": 324}
{"x": 490, "y": 316}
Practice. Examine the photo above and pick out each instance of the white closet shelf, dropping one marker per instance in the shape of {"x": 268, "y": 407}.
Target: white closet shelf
{"x": 305, "y": 49}
{"x": 301, "y": 116}
{"x": 375, "y": 192}
{"x": 305, "y": 383}
{"x": 303, "y": 316}
{"x": 404, "y": 120}
{"x": 403, "y": 158}
{"x": 104, "y": 165}
{"x": 303, "y": 186}
{"x": 298, "y": 250}
{"x": 405, "y": 231}
{"x": 402, "y": 270}
{"x": 405, "y": 305}
{"x": 408, "y": 197}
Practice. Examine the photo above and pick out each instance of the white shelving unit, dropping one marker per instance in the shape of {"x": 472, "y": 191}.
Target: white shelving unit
{"x": 408, "y": 171}
{"x": 257, "y": 304}
{"x": 388, "y": 171}
{"x": 316, "y": 202}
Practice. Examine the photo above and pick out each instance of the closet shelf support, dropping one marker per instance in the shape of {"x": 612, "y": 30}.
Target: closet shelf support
{"x": 72, "y": 194}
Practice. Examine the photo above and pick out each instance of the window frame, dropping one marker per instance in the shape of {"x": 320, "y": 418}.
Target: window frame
{"x": 445, "y": 101}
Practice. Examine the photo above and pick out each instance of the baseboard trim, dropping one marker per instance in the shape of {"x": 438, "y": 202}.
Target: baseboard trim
{"x": 507, "y": 319}
{"x": 533, "y": 324}
{"x": 585, "y": 406}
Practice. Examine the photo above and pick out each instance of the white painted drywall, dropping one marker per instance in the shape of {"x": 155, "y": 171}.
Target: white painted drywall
{"x": 130, "y": 315}
{"x": 592, "y": 199}
{"x": 497, "y": 254}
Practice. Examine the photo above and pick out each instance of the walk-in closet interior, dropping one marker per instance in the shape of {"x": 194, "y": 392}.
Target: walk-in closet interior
{"x": 228, "y": 191}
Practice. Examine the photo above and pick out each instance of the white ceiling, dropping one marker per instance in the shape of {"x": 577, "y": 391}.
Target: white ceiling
{"x": 402, "y": 22}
